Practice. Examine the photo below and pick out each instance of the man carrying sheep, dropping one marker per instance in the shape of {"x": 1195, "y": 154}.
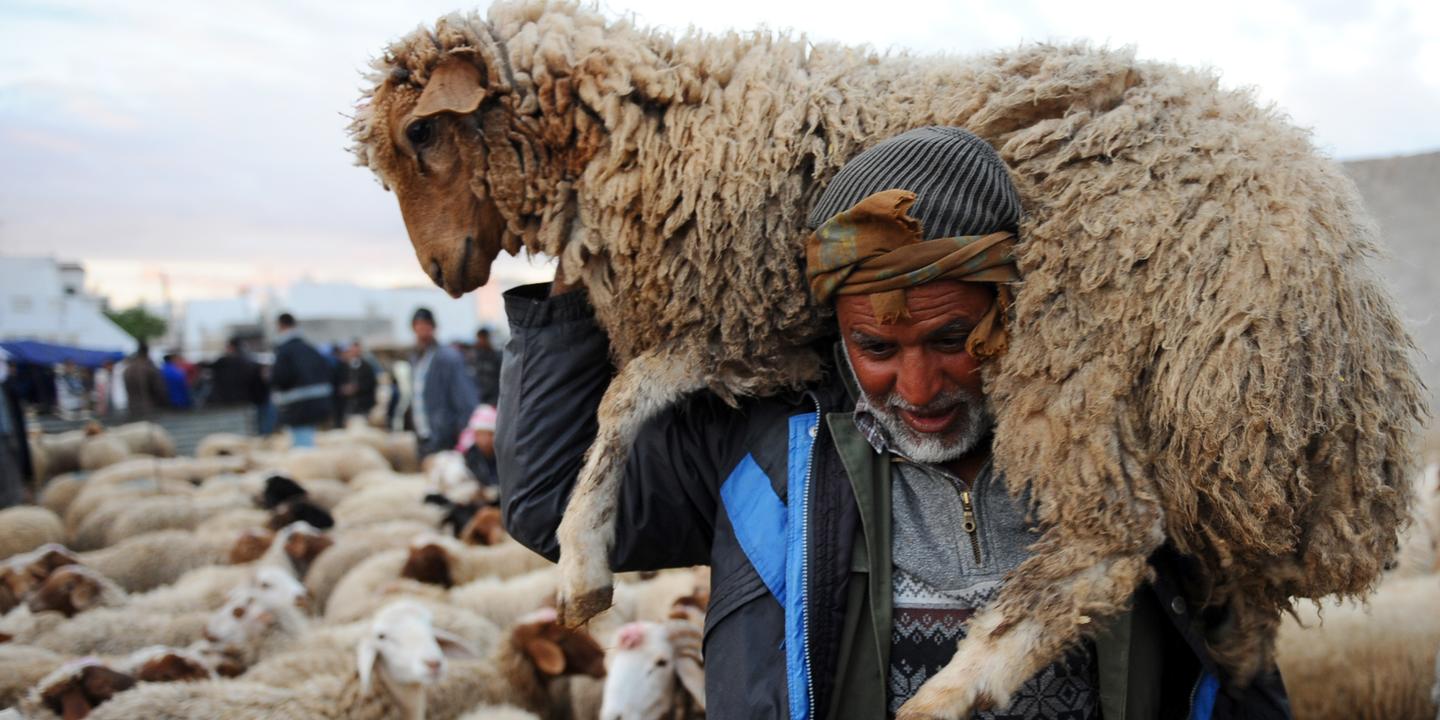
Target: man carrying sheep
{"x": 854, "y": 528}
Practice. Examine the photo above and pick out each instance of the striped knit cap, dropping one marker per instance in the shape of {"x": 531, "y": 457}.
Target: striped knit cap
{"x": 960, "y": 183}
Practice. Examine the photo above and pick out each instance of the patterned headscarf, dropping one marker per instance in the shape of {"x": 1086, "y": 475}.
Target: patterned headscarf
{"x": 875, "y": 248}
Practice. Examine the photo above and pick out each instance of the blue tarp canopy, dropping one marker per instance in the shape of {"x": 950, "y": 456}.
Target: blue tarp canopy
{"x": 43, "y": 353}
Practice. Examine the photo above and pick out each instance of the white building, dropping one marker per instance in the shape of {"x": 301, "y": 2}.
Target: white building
{"x": 327, "y": 313}
{"x": 44, "y": 299}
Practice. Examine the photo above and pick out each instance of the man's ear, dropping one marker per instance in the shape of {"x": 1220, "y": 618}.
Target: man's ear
{"x": 456, "y": 85}
{"x": 547, "y": 656}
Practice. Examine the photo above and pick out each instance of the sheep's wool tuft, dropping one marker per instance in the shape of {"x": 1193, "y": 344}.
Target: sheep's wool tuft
{"x": 1200, "y": 354}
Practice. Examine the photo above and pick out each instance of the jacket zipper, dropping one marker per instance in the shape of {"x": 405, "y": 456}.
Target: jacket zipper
{"x": 1194, "y": 689}
{"x": 969, "y": 523}
{"x": 805, "y": 555}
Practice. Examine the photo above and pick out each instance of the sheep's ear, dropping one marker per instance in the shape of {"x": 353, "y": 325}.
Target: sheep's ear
{"x": 547, "y": 656}
{"x": 368, "y": 655}
{"x": 689, "y": 663}
{"x": 692, "y": 675}
{"x": 453, "y": 645}
{"x": 455, "y": 85}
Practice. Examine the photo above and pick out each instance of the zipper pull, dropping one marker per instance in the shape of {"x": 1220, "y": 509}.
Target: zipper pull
{"x": 968, "y": 523}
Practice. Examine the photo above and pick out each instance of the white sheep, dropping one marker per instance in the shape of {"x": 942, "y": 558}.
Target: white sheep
{"x": 60, "y": 491}
{"x": 442, "y": 560}
{"x": 73, "y": 690}
{"x": 1373, "y": 661}
{"x": 353, "y": 546}
{"x": 336, "y": 462}
{"x": 26, "y": 527}
{"x": 386, "y": 503}
{"x": 495, "y": 712}
{"x": 327, "y": 649}
{"x": 536, "y": 651}
{"x": 102, "y": 451}
{"x": 397, "y": 659}
{"x": 1420, "y": 542}
{"x": 654, "y": 671}
{"x": 148, "y": 561}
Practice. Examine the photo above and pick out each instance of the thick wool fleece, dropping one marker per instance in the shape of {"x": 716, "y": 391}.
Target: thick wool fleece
{"x": 1199, "y": 352}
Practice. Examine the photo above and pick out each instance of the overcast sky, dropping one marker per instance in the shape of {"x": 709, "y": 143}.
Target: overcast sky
{"x": 208, "y": 142}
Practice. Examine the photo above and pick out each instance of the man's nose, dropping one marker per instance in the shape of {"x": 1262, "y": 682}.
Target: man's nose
{"x": 918, "y": 380}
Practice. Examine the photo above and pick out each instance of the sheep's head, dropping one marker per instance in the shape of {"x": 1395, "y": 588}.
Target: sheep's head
{"x": 428, "y": 563}
{"x": 649, "y": 664}
{"x": 302, "y": 543}
{"x": 250, "y": 546}
{"x": 278, "y": 489}
{"x": 480, "y": 156}
{"x": 71, "y": 590}
{"x": 276, "y": 589}
{"x": 405, "y": 649}
{"x": 163, "y": 664}
{"x": 556, "y": 650}
{"x": 76, "y": 688}
{"x": 300, "y": 509}
{"x": 23, "y": 573}
{"x": 486, "y": 527}
{"x": 8, "y": 599}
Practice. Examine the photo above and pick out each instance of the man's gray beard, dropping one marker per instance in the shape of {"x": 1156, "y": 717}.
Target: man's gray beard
{"x": 970, "y": 427}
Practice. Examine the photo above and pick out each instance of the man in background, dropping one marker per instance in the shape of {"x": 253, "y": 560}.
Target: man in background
{"x": 355, "y": 383}
{"x": 300, "y": 380}
{"x": 486, "y": 363}
{"x": 443, "y": 394}
{"x": 177, "y": 382}
{"x": 15, "y": 470}
{"x": 236, "y": 379}
{"x": 144, "y": 386}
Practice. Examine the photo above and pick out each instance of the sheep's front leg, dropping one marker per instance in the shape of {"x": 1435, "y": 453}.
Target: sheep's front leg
{"x": 1043, "y": 610}
{"x": 648, "y": 384}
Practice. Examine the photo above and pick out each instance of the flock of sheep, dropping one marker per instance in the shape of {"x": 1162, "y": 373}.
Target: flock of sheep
{"x": 346, "y": 581}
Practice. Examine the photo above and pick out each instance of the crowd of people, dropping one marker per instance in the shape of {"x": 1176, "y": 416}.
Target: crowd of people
{"x": 443, "y": 393}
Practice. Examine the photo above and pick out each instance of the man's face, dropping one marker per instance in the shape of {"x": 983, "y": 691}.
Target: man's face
{"x": 424, "y": 332}
{"x": 482, "y": 341}
{"x": 922, "y": 385}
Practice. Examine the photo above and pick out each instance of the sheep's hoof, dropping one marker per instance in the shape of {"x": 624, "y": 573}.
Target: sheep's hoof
{"x": 577, "y": 610}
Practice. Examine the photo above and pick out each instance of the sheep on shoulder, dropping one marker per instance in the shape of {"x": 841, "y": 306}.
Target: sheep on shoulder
{"x": 672, "y": 178}
{"x": 400, "y": 656}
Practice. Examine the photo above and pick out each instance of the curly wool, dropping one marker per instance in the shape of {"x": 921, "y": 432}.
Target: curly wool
{"x": 1200, "y": 353}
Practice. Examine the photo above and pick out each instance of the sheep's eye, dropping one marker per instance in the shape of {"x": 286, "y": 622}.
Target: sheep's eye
{"x": 418, "y": 133}
{"x": 662, "y": 662}
{"x": 380, "y": 636}
{"x": 264, "y": 586}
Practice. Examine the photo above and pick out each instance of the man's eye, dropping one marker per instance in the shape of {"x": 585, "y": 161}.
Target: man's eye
{"x": 950, "y": 344}
{"x": 876, "y": 349}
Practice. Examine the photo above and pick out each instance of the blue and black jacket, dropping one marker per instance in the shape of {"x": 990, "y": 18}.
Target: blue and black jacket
{"x": 789, "y": 506}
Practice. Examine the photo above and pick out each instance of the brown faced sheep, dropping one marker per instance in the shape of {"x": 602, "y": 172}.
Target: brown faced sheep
{"x": 1198, "y": 353}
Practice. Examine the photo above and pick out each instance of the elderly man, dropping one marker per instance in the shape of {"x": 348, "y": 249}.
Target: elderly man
{"x": 907, "y": 527}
